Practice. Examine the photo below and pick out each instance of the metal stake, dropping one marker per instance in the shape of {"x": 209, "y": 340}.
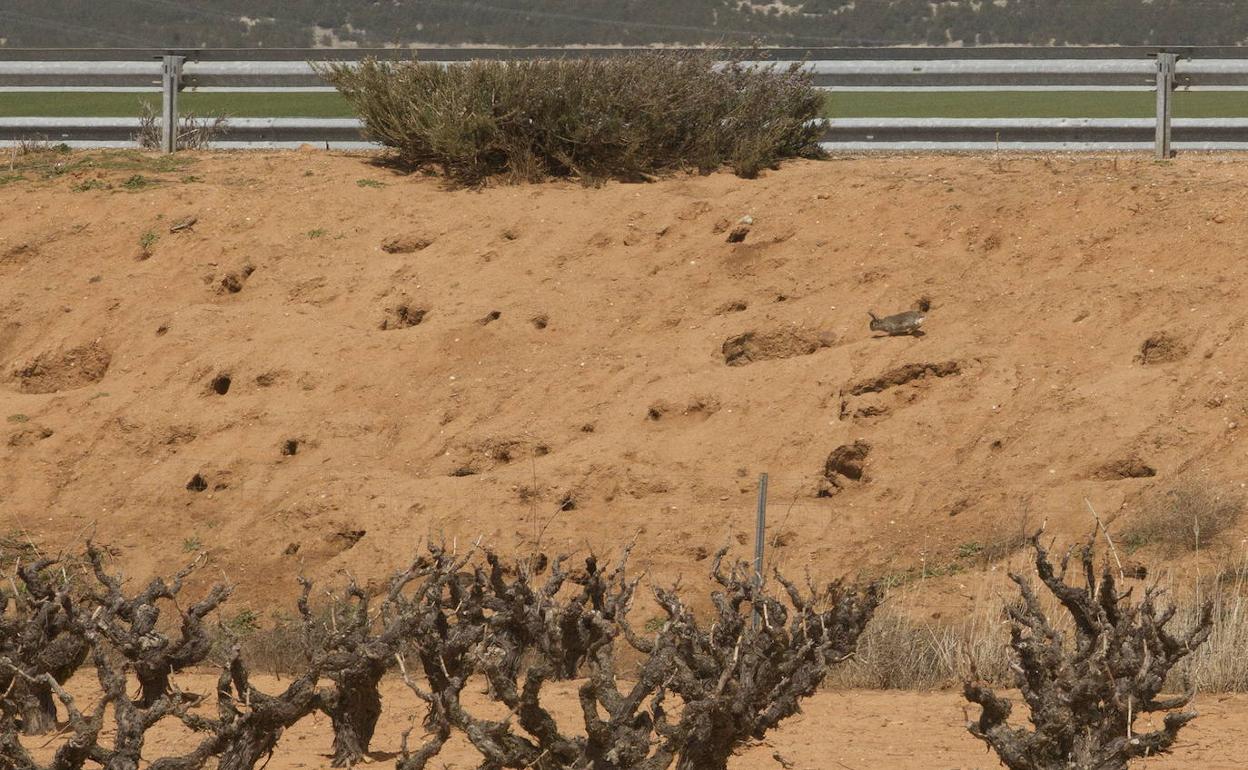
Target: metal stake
{"x": 760, "y": 535}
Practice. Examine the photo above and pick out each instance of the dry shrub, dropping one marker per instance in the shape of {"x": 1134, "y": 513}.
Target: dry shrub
{"x": 1185, "y": 518}
{"x": 1085, "y": 690}
{"x": 277, "y": 646}
{"x": 625, "y": 117}
{"x": 194, "y": 132}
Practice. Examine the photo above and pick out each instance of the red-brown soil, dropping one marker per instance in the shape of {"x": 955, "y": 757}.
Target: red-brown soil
{"x": 319, "y": 374}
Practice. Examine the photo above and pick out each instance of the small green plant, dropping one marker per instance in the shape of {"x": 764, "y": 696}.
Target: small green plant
{"x": 191, "y": 179}
{"x": 147, "y": 240}
{"x": 655, "y": 625}
{"x": 90, "y": 184}
{"x": 244, "y": 623}
{"x": 370, "y": 183}
{"x": 308, "y": 173}
{"x": 57, "y": 170}
{"x": 11, "y": 178}
{"x": 996, "y": 546}
{"x": 192, "y": 545}
{"x": 18, "y": 418}
{"x": 969, "y": 550}
{"x": 924, "y": 571}
{"x": 163, "y": 164}
{"x": 317, "y": 233}
{"x": 137, "y": 182}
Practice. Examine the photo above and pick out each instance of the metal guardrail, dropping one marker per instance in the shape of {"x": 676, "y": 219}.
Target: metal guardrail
{"x": 831, "y": 75}
{"x": 842, "y": 134}
{"x": 834, "y": 69}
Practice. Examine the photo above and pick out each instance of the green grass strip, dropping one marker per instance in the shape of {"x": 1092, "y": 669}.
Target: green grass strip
{"x": 1033, "y": 104}
{"x": 857, "y": 104}
{"x": 43, "y": 104}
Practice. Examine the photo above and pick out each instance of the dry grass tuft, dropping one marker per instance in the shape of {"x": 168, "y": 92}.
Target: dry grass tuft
{"x": 899, "y": 652}
{"x": 1220, "y": 664}
{"x": 904, "y": 649}
{"x": 36, "y": 145}
{"x": 194, "y": 132}
{"x": 1185, "y": 518}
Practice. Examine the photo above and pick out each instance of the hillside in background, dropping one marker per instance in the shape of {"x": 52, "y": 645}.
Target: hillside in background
{"x": 335, "y": 363}
{"x": 299, "y": 23}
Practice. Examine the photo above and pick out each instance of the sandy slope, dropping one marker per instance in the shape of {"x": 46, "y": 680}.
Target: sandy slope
{"x": 567, "y": 381}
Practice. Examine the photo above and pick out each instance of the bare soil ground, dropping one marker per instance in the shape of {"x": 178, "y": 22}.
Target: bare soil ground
{"x": 333, "y": 363}
{"x": 855, "y": 729}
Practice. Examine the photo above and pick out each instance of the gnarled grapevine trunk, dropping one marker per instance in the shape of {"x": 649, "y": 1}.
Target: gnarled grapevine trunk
{"x": 35, "y": 706}
{"x": 42, "y": 644}
{"x": 1085, "y": 694}
{"x": 354, "y": 708}
{"x": 498, "y": 622}
{"x": 252, "y": 722}
{"x": 153, "y": 684}
{"x": 130, "y": 623}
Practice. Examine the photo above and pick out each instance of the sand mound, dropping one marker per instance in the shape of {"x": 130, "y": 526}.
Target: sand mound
{"x": 59, "y": 370}
{"x": 752, "y": 346}
{"x": 1162, "y": 348}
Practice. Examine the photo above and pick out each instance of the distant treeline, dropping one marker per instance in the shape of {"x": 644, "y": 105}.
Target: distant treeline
{"x": 301, "y": 23}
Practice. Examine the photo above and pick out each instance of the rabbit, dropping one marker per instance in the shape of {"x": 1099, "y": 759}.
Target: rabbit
{"x": 899, "y": 324}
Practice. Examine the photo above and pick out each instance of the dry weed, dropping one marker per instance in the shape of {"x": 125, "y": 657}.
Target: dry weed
{"x": 1185, "y": 518}
{"x": 194, "y": 132}
{"x": 905, "y": 648}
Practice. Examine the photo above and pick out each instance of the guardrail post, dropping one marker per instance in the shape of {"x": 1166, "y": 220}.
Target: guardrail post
{"x": 171, "y": 83}
{"x": 1165, "y": 100}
